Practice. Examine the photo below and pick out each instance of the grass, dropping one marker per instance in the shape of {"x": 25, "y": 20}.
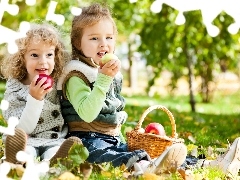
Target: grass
{"x": 215, "y": 125}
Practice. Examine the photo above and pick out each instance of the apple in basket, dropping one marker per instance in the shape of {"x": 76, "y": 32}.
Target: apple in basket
{"x": 155, "y": 128}
{"x": 141, "y": 130}
{"x": 107, "y": 57}
{"x": 48, "y": 81}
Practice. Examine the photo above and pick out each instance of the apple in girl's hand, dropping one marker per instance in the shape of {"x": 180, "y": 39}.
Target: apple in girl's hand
{"x": 155, "y": 128}
{"x": 48, "y": 81}
{"x": 107, "y": 57}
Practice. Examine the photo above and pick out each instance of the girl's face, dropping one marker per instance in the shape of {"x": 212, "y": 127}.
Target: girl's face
{"x": 97, "y": 40}
{"x": 39, "y": 59}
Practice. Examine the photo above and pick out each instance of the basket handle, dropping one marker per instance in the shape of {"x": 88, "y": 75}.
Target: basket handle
{"x": 163, "y": 108}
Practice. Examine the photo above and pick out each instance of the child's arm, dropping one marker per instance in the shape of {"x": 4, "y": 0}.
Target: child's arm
{"x": 27, "y": 112}
{"x": 88, "y": 103}
{"x": 22, "y": 105}
{"x": 30, "y": 114}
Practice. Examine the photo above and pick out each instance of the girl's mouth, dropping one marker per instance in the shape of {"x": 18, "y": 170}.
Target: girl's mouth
{"x": 101, "y": 54}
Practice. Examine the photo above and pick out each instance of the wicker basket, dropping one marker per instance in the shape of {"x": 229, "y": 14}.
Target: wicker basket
{"x": 153, "y": 144}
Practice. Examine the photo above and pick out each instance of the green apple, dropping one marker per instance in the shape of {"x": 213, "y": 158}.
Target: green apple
{"x": 107, "y": 57}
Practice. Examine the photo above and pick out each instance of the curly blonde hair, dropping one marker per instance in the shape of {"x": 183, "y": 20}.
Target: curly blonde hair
{"x": 13, "y": 65}
{"x": 90, "y": 16}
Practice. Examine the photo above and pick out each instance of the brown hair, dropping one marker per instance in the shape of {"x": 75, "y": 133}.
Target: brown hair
{"x": 13, "y": 65}
{"x": 90, "y": 15}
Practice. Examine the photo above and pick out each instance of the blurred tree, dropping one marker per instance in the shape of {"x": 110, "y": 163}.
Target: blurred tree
{"x": 185, "y": 50}
{"x": 175, "y": 48}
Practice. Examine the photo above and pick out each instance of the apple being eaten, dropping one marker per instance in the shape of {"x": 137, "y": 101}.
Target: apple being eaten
{"x": 155, "y": 128}
{"x": 48, "y": 81}
{"x": 107, "y": 57}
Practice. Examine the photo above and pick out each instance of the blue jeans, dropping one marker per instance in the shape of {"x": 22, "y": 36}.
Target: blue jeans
{"x": 104, "y": 148}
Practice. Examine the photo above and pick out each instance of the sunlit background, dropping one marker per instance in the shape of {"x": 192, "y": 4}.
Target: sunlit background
{"x": 172, "y": 48}
{"x": 160, "y": 43}
{"x": 209, "y": 9}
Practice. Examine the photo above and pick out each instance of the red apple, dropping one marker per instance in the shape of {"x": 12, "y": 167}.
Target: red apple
{"x": 107, "y": 57}
{"x": 155, "y": 128}
{"x": 48, "y": 81}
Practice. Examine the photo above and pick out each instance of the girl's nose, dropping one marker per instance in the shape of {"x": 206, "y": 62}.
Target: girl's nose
{"x": 103, "y": 43}
{"x": 42, "y": 60}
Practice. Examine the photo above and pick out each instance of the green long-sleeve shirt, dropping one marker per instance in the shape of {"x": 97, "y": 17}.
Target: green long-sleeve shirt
{"x": 86, "y": 102}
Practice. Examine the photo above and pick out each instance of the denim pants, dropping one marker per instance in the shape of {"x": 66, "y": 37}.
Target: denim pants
{"x": 104, "y": 148}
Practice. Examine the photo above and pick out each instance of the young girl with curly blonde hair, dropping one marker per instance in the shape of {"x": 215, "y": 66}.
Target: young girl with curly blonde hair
{"x": 41, "y": 130}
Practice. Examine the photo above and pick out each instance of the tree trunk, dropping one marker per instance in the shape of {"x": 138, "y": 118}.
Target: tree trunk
{"x": 130, "y": 65}
{"x": 190, "y": 71}
{"x": 191, "y": 78}
{"x": 188, "y": 55}
{"x": 206, "y": 79}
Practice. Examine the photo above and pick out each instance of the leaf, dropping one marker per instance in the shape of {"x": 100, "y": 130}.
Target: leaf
{"x": 186, "y": 174}
{"x": 68, "y": 176}
{"x": 151, "y": 176}
{"x": 106, "y": 174}
{"x": 78, "y": 153}
{"x": 20, "y": 170}
{"x": 86, "y": 169}
{"x": 192, "y": 139}
{"x": 123, "y": 167}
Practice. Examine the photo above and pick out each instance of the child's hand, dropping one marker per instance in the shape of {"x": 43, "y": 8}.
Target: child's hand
{"x": 111, "y": 68}
{"x": 39, "y": 90}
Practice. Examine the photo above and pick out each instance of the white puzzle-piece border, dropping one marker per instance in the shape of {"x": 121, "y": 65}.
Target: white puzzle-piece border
{"x": 9, "y": 36}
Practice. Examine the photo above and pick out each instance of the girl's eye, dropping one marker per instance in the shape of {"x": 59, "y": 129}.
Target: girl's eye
{"x": 109, "y": 38}
{"x": 50, "y": 54}
{"x": 94, "y": 38}
{"x": 34, "y": 55}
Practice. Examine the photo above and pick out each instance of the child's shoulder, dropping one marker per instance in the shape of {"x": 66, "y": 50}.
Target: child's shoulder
{"x": 14, "y": 83}
{"x": 14, "y": 87}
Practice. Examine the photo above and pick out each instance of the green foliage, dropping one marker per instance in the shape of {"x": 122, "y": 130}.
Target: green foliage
{"x": 209, "y": 173}
{"x": 209, "y": 125}
{"x": 78, "y": 154}
{"x": 76, "y": 157}
{"x": 166, "y": 45}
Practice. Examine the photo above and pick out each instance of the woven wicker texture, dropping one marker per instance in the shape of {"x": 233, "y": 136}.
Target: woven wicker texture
{"x": 153, "y": 144}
